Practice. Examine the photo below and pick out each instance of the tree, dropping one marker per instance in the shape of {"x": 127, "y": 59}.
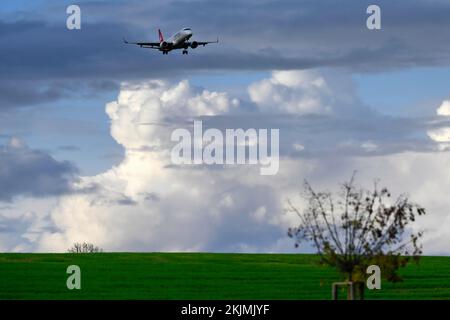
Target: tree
{"x": 358, "y": 228}
{"x": 84, "y": 248}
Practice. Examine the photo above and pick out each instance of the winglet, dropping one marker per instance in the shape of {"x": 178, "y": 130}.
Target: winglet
{"x": 125, "y": 40}
{"x": 161, "y": 38}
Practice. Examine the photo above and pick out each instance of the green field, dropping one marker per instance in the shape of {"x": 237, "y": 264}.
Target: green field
{"x": 201, "y": 276}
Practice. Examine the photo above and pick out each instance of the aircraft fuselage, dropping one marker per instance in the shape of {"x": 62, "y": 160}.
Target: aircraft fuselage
{"x": 177, "y": 41}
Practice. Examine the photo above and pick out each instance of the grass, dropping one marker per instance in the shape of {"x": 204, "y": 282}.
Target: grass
{"x": 201, "y": 276}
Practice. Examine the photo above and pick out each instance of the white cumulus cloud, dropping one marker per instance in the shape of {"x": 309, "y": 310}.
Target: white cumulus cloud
{"x": 303, "y": 92}
{"x": 145, "y": 203}
{"x": 441, "y": 135}
{"x": 444, "y": 108}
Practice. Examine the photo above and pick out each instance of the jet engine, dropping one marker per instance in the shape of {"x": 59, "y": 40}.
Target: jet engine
{"x": 194, "y": 44}
{"x": 163, "y": 45}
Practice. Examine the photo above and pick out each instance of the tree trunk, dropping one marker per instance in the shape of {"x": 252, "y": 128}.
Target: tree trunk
{"x": 361, "y": 288}
{"x": 350, "y": 288}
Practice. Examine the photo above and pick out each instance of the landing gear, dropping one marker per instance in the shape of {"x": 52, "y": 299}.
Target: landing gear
{"x": 165, "y": 52}
{"x": 185, "y": 52}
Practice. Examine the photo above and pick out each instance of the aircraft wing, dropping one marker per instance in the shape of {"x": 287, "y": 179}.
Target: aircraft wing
{"x": 150, "y": 45}
{"x": 204, "y": 43}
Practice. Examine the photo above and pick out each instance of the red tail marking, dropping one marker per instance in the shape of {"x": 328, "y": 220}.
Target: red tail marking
{"x": 161, "y": 38}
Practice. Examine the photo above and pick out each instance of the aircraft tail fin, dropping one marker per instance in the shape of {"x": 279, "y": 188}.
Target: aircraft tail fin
{"x": 161, "y": 38}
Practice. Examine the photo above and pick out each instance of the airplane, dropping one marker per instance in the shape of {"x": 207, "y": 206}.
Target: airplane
{"x": 179, "y": 40}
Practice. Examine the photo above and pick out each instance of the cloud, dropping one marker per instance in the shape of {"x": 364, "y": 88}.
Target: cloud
{"x": 254, "y": 36}
{"x": 28, "y": 172}
{"x": 28, "y": 93}
{"x": 144, "y": 203}
{"x": 147, "y": 204}
{"x": 147, "y": 127}
{"x": 303, "y": 92}
{"x": 444, "y": 109}
{"x": 261, "y": 36}
{"x": 12, "y": 230}
{"x": 442, "y": 134}
{"x": 23, "y": 222}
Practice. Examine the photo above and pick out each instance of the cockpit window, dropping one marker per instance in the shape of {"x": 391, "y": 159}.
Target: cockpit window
{"x": 186, "y": 29}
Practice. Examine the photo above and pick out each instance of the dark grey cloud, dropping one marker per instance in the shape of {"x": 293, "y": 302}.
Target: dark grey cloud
{"x": 27, "y": 93}
{"x": 28, "y": 172}
{"x": 38, "y": 53}
{"x": 24, "y": 93}
{"x": 255, "y": 35}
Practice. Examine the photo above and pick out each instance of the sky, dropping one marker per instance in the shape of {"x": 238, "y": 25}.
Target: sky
{"x": 85, "y": 120}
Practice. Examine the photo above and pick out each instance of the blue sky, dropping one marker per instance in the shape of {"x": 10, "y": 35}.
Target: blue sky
{"x": 406, "y": 92}
{"x": 346, "y": 97}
